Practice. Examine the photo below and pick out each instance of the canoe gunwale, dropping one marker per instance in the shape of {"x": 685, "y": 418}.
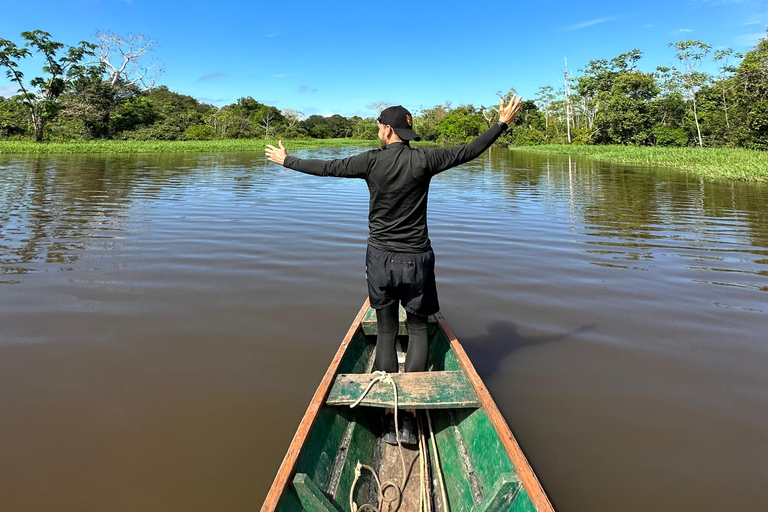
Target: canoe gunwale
{"x": 318, "y": 400}
{"x": 522, "y": 466}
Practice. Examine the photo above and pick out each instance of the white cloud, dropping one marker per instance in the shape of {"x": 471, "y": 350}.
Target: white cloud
{"x": 685, "y": 30}
{"x": 589, "y": 23}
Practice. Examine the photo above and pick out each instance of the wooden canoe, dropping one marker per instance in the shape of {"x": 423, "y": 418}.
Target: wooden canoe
{"x": 478, "y": 458}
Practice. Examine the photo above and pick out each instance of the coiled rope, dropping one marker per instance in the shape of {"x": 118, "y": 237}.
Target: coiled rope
{"x": 386, "y": 378}
{"x": 425, "y": 505}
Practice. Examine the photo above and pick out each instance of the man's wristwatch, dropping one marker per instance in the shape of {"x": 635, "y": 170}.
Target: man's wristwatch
{"x": 502, "y": 125}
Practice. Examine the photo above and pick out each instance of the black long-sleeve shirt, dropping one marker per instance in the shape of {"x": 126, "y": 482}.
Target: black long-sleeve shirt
{"x": 398, "y": 180}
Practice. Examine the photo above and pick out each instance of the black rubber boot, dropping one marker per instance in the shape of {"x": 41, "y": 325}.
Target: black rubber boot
{"x": 408, "y": 429}
{"x": 390, "y": 436}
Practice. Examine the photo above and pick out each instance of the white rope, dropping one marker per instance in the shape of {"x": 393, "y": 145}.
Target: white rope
{"x": 386, "y": 378}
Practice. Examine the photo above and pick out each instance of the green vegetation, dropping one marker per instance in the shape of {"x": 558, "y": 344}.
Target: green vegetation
{"x": 165, "y": 146}
{"x": 707, "y": 163}
{"x": 609, "y": 102}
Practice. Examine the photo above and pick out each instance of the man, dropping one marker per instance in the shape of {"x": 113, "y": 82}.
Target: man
{"x": 400, "y": 264}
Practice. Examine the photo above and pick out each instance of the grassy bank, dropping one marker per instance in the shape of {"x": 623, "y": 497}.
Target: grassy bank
{"x": 708, "y": 163}
{"x": 201, "y": 146}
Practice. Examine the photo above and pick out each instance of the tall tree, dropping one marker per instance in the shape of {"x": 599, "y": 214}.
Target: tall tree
{"x": 62, "y": 66}
{"x": 725, "y": 82}
{"x": 691, "y": 54}
{"x": 292, "y": 117}
{"x": 752, "y": 77}
{"x": 545, "y": 100}
{"x": 567, "y": 92}
{"x": 123, "y": 59}
{"x": 379, "y": 106}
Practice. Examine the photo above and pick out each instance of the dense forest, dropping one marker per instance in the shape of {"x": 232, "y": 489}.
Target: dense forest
{"x": 105, "y": 89}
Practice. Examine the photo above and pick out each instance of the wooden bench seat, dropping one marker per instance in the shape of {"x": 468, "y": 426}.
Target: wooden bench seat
{"x": 417, "y": 390}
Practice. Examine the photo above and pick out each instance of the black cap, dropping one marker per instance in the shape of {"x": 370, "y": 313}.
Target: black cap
{"x": 400, "y": 120}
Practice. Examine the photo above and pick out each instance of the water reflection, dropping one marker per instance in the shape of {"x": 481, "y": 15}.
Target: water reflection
{"x": 53, "y": 208}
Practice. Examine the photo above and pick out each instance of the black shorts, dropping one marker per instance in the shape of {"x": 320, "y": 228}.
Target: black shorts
{"x": 402, "y": 276}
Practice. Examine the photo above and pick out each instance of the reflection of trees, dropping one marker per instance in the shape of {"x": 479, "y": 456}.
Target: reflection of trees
{"x": 53, "y": 207}
{"x": 635, "y": 206}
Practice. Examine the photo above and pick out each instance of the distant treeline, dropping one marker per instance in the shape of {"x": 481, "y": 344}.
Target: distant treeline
{"x": 607, "y": 102}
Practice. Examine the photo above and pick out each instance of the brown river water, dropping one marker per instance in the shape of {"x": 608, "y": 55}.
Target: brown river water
{"x": 165, "y": 320}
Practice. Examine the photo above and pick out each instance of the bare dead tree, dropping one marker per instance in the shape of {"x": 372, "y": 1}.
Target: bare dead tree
{"x": 292, "y": 117}
{"x": 122, "y": 56}
{"x": 379, "y": 106}
{"x": 266, "y": 122}
{"x": 567, "y": 90}
{"x": 489, "y": 114}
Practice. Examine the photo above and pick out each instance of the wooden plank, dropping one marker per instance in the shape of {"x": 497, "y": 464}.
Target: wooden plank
{"x": 417, "y": 390}
{"x": 291, "y": 457}
{"x": 361, "y": 448}
{"x": 502, "y": 495}
{"x": 370, "y": 326}
{"x": 460, "y": 496}
{"x": 358, "y": 354}
{"x": 322, "y": 443}
{"x": 311, "y": 498}
{"x": 532, "y": 485}
{"x": 289, "y": 502}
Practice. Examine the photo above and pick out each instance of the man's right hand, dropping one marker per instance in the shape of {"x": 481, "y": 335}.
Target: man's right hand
{"x": 508, "y": 113}
{"x": 277, "y": 155}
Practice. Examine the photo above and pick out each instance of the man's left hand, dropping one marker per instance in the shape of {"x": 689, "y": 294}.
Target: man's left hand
{"x": 277, "y": 155}
{"x": 508, "y": 113}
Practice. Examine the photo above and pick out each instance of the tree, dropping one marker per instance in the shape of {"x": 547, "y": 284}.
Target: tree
{"x": 365, "y": 128}
{"x": 691, "y": 54}
{"x": 461, "y": 125}
{"x": 12, "y": 118}
{"x": 268, "y": 118}
{"x": 752, "y": 77}
{"x": 545, "y": 100}
{"x": 121, "y": 58}
{"x": 427, "y": 123}
{"x": 627, "y": 117}
{"x": 93, "y": 102}
{"x": 379, "y": 106}
{"x": 567, "y": 93}
{"x": 726, "y": 84}
{"x": 40, "y": 97}
{"x": 292, "y": 117}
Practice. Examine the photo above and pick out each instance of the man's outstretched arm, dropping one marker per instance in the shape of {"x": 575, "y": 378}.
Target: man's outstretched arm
{"x": 443, "y": 159}
{"x": 353, "y": 167}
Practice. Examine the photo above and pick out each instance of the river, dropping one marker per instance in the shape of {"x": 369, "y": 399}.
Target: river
{"x": 165, "y": 320}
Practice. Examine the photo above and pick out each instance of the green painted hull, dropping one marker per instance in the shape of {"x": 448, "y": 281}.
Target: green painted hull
{"x": 474, "y": 457}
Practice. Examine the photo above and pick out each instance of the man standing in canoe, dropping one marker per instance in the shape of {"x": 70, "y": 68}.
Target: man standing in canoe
{"x": 400, "y": 264}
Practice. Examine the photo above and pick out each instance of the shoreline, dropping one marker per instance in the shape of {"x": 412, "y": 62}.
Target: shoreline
{"x": 708, "y": 163}
{"x": 170, "y": 146}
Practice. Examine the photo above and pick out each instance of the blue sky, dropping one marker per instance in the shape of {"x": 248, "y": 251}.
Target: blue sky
{"x": 339, "y": 57}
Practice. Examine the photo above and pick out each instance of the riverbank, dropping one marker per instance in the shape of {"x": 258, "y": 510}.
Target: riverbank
{"x": 174, "y": 146}
{"x": 707, "y": 163}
